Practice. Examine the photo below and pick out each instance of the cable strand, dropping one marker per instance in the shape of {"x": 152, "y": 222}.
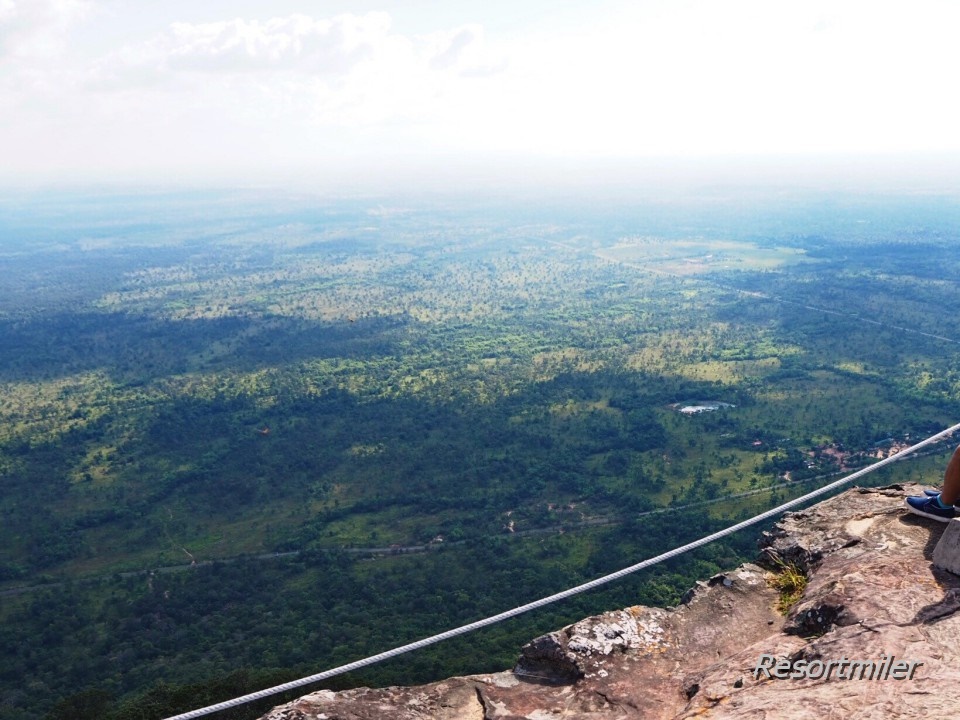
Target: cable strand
{"x": 507, "y": 614}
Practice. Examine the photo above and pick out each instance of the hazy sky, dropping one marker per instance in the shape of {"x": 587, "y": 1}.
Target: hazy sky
{"x": 181, "y": 89}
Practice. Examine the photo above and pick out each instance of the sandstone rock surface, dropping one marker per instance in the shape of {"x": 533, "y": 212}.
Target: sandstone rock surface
{"x": 873, "y": 593}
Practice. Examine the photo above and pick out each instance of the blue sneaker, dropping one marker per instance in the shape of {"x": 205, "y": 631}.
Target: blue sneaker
{"x": 931, "y": 493}
{"x": 929, "y": 507}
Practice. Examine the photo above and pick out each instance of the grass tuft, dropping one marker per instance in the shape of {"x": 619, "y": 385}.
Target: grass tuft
{"x": 790, "y": 581}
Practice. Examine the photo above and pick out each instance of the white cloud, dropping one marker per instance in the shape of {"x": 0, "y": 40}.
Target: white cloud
{"x": 674, "y": 77}
{"x": 217, "y": 95}
{"x": 37, "y": 28}
{"x": 462, "y": 50}
{"x": 295, "y": 42}
{"x": 299, "y": 44}
{"x": 741, "y": 76}
{"x": 349, "y": 70}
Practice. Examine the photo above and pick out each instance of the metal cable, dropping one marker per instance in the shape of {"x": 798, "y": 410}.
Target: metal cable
{"x": 356, "y": 665}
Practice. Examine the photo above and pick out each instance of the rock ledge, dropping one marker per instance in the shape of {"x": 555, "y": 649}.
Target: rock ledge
{"x": 873, "y": 593}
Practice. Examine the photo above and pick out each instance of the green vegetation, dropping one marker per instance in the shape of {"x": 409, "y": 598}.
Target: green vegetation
{"x": 790, "y": 581}
{"x": 245, "y": 439}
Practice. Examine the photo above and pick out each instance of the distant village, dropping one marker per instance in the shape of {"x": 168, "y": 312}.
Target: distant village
{"x": 848, "y": 459}
{"x": 832, "y": 453}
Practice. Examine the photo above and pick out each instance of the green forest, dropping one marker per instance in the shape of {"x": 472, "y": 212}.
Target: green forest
{"x": 246, "y": 438}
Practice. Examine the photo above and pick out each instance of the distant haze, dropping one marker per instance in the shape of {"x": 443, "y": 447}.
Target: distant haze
{"x": 399, "y": 93}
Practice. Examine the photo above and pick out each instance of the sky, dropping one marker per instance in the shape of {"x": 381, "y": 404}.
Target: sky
{"x": 197, "y": 90}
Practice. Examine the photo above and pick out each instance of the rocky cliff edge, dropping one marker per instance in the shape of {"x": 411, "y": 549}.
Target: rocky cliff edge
{"x": 873, "y": 596}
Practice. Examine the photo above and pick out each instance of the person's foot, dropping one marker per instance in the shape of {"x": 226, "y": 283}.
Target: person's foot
{"x": 931, "y": 493}
{"x": 929, "y": 507}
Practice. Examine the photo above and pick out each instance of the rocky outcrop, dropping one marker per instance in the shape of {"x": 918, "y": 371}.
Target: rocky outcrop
{"x": 873, "y": 600}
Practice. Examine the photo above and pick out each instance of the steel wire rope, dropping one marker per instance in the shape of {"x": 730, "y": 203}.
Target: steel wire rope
{"x": 493, "y": 619}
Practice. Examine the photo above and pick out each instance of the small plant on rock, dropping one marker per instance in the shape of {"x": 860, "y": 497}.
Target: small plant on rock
{"x": 789, "y": 580}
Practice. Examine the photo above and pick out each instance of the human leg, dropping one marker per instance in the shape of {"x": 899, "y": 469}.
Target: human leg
{"x": 951, "y": 480}
{"x": 940, "y": 506}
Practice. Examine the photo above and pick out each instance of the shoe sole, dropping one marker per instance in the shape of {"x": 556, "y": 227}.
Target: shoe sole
{"x": 921, "y": 513}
